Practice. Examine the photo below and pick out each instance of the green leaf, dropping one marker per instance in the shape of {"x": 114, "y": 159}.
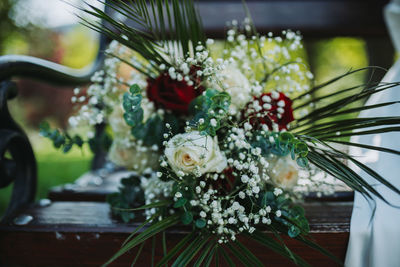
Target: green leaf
{"x": 315, "y": 246}
{"x": 209, "y": 247}
{"x": 293, "y": 231}
{"x": 176, "y": 249}
{"x": 187, "y": 217}
{"x": 200, "y": 223}
{"x": 210, "y": 256}
{"x": 286, "y": 137}
{"x": 67, "y": 148}
{"x": 138, "y": 253}
{"x": 298, "y": 210}
{"x": 336, "y": 106}
{"x": 276, "y": 247}
{"x": 191, "y": 251}
{"x": 302, "y": 162}
{"x": 212, "y": 106}
{"x": 377, "y": 148}
{"x": 238, "y": 254}
{"x": 333, "y": 80}
{"x": 301, "y": 149}
{"x": 159, "y": 23}
{"x": 163, "y": 203}
{"x": 226, "y": 257}
{"x": 180, "y": 202}
{"x": 139, "y": 228}
{"x": 61, "y": 140}
{"x": 135, "y": 89}
{"x": 78, "y": 140}
{"x": 146, "y": 234}
{"x": 249, "y": 254}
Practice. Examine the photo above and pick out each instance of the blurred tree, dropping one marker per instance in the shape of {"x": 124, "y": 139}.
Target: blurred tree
{"x": 7, "y": 25}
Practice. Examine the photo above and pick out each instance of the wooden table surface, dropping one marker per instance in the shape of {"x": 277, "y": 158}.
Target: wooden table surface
{"x": 84, "y": 234}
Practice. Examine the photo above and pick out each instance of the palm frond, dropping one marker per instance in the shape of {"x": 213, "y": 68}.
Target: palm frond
{"x": 227, "y": 258}
{"x": 191, "y": 251}
{"x": 210, "y": 256}
{"x": 366, "y": 169}
{"x": 245, "y": 251}
{"x": 338, "y": 126}
{"x": 277, "y": 247}
{"x": 358, "y": 133}
{"x": 377, "y": 148}
{"x": 345, "y": 112}
{"x": 333, "y": 166}
{"x": 163, "y": 29}
{"x": 138, "y": 253}
{"x": 151, "y": 231}
{"x": 240, "y": 255}
{"x": 333, "y": 80}
{"x": 336, "y": 93}
{"x": 315, "y": 246}
{"x": 337, "y": 105}
{"x": 206, "y": 254}
{"x": 174, "y": 251}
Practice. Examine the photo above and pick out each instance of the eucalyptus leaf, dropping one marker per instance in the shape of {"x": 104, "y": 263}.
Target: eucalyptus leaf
{"x": 187, "y": 217}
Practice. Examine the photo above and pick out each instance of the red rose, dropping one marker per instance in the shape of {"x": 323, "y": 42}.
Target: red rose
{"x": 171, "y": 94}
{"x": 268, "y": 108}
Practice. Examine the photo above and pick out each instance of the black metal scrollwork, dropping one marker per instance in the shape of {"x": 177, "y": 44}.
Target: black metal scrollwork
{"x": 17, "y": 161}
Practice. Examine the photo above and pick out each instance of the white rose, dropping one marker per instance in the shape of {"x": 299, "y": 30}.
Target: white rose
{"x": 235, "y": 83}
{"x": 133, "y": 156}
{"x": 195, "y": 153}
{"x": 284, "y": 172}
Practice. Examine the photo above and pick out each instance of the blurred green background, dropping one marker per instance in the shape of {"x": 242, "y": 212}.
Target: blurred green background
{"x": 71, "y": 44}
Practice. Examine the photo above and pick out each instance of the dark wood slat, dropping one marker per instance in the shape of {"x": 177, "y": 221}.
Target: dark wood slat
{"x": 92, "y": 186}
{"x": 83, "y": 234}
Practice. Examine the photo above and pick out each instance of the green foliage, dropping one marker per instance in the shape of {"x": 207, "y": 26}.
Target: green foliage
{"x": 130, "y": 195}
{"x": 158, "y": 22}
{"x": 154, "y": 229}
{"x": 276, "y": 246}
{"x": 325, "y": 124}
{"x": 282, "y": 144}
{"x": 65, "y": 142}
{"x": 60, "y": 140}
{"x": 292, "y": 220}
{"x": 150, "y": 131}
{"x": 100, "y": 142}
{"x": 200, "y": 223}
{"x": 180, "y": 203}
{"x": 212, "y": 106}
{"x": 187, "y": 217}
{"x": 132, "y": 105}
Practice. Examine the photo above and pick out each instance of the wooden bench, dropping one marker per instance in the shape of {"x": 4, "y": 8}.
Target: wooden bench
{"x": 76, "y": 228}
{"x": 82, "y": 233}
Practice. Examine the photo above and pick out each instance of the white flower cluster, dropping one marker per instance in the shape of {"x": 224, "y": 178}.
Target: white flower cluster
{"x": 155, "y": 190}
{"x": 279, "y": 57}
{"x": 240, "y": 70}
{"x": 225, "y": 216}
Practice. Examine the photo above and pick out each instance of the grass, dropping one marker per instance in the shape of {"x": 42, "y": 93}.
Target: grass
{"x": 54, "y": 168}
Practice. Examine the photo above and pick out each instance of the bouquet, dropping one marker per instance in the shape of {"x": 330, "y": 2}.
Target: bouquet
{"x": 224, "y": 137}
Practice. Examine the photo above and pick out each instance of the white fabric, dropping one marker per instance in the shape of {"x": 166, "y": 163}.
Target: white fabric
{"x": 375, "y": 226}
